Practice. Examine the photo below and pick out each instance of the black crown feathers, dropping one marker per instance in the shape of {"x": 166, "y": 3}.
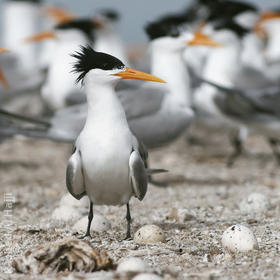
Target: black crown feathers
{"x": 88, "y": 59}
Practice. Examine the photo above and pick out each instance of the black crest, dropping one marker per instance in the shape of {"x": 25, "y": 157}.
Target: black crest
{"x": 166, "y": 26}
{"x": 111, "y": 14}
{"x": 276, "y": 9}
{"x": 87, "y": 26}
{"x": 231, "y": 25}
{"x": 88, "y": 59}
{"x": 229, "y": 9}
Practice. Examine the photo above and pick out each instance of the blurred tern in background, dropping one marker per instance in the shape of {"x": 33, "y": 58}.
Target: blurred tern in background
{"x": 60, "y": 88}
{"x": 108, "y": 163}
{"x": 108, "y": 39}
{"x": 20, "y": 20}
{"x": 268, "y": 27}
{"x": 221, "y": 66}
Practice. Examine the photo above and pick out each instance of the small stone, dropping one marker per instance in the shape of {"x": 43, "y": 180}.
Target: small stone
{"x": 99, "y": 224}
{"x": 149, "y": 234}
{"x": 69, "y": 200}
{"x": 66, "y": 213}
{"x": 147, "y": 276}
{"x": 254, "y": 203}
{"x": 181, "y": 215}
{"x": 133, "y": 264}
{"x": 239, "y": 238}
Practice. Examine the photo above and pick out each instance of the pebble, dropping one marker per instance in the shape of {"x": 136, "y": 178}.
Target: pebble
{"x": 133, "y": 264}
{"x": 99, "y": 224}
{"x": 255, "y": 203}
{"x": 239, "y": 238}
{"x": 69, "y": 200}
{"x": 66, "y": 213}
{"x": 147, "y": 276}
{"x": 149, "y": 234}
{"x": 181, "y": 215}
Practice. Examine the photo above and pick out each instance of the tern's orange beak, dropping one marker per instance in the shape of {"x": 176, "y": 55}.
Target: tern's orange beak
{"x": 265, "y": 16}
{"x": 40, "y": 37}
{"x": 3, "y": 80}
{"x": 201, "y": 39}
{"x": 138, "y": 75}
{"x": 58, "y": 14}
{"x": 2, "y": 50}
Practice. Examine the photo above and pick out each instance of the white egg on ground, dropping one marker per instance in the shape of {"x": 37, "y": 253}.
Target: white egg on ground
{"x": 133, "y": 264}
{"x": 255, "y": 203}
{"x": 99, "y": 224}
{"x": 66, "y": 213}
{"x": 239, "y": 238}
{"x": 149, "y": 234}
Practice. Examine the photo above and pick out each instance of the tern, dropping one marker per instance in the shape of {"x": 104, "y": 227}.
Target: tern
{"x": 20, "y": 20}
{"x": 257, "y": 108}
{"x": 268, "y": 28}
{"x": 59, "y": 88}
{"x": 108, "y": 39}
{"x": 221, "y": 66}
{"x": 108, "y": 162}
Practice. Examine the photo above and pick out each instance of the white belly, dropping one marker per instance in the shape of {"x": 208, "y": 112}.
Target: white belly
{"x": 106, "y": 169}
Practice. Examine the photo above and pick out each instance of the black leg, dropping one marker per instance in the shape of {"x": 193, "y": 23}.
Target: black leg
{"x": 128, "y": 219}
{"x": 238, "y": 149}
{"x": 274, "y": 143}
{"x": 90, "y": 217}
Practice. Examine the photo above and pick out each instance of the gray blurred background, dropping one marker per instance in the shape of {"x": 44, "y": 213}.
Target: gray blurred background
{"x": 135, "y": 13}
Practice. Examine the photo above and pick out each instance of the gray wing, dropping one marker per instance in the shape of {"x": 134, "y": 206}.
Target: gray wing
{"x": 142, "y": 101}
{"x": 74, "y": 175}
{"x": 137, "y": 171}
{"x": 75, "y": 98}
{"x": 265, "y": 100}
{"x": 69, "y": 122}
{"x": 251, "y": 104}
{"x": 250, "y": 78}
{"x": 140, "y": 147}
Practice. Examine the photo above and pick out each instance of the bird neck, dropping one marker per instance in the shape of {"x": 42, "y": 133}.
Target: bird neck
{"x": 251, "y": 55}
{"x": 223, "y": 64}
{"x": 103, "y": 103}
{"x": 171, "y": 68}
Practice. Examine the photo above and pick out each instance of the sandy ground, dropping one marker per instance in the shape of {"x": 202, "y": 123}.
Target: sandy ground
{"x": 33, "y": 173}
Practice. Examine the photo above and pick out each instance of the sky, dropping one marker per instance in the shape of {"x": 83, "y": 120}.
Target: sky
{"x": 135, "y": 13}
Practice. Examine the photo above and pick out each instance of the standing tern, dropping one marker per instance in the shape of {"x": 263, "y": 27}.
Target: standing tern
{"x": 108, "y": 39}
{"x": 256, "y": 108}
{"x": 221, "y": 66}
{"x": 108, "y": 164}
{"x": 20, "y": 20}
